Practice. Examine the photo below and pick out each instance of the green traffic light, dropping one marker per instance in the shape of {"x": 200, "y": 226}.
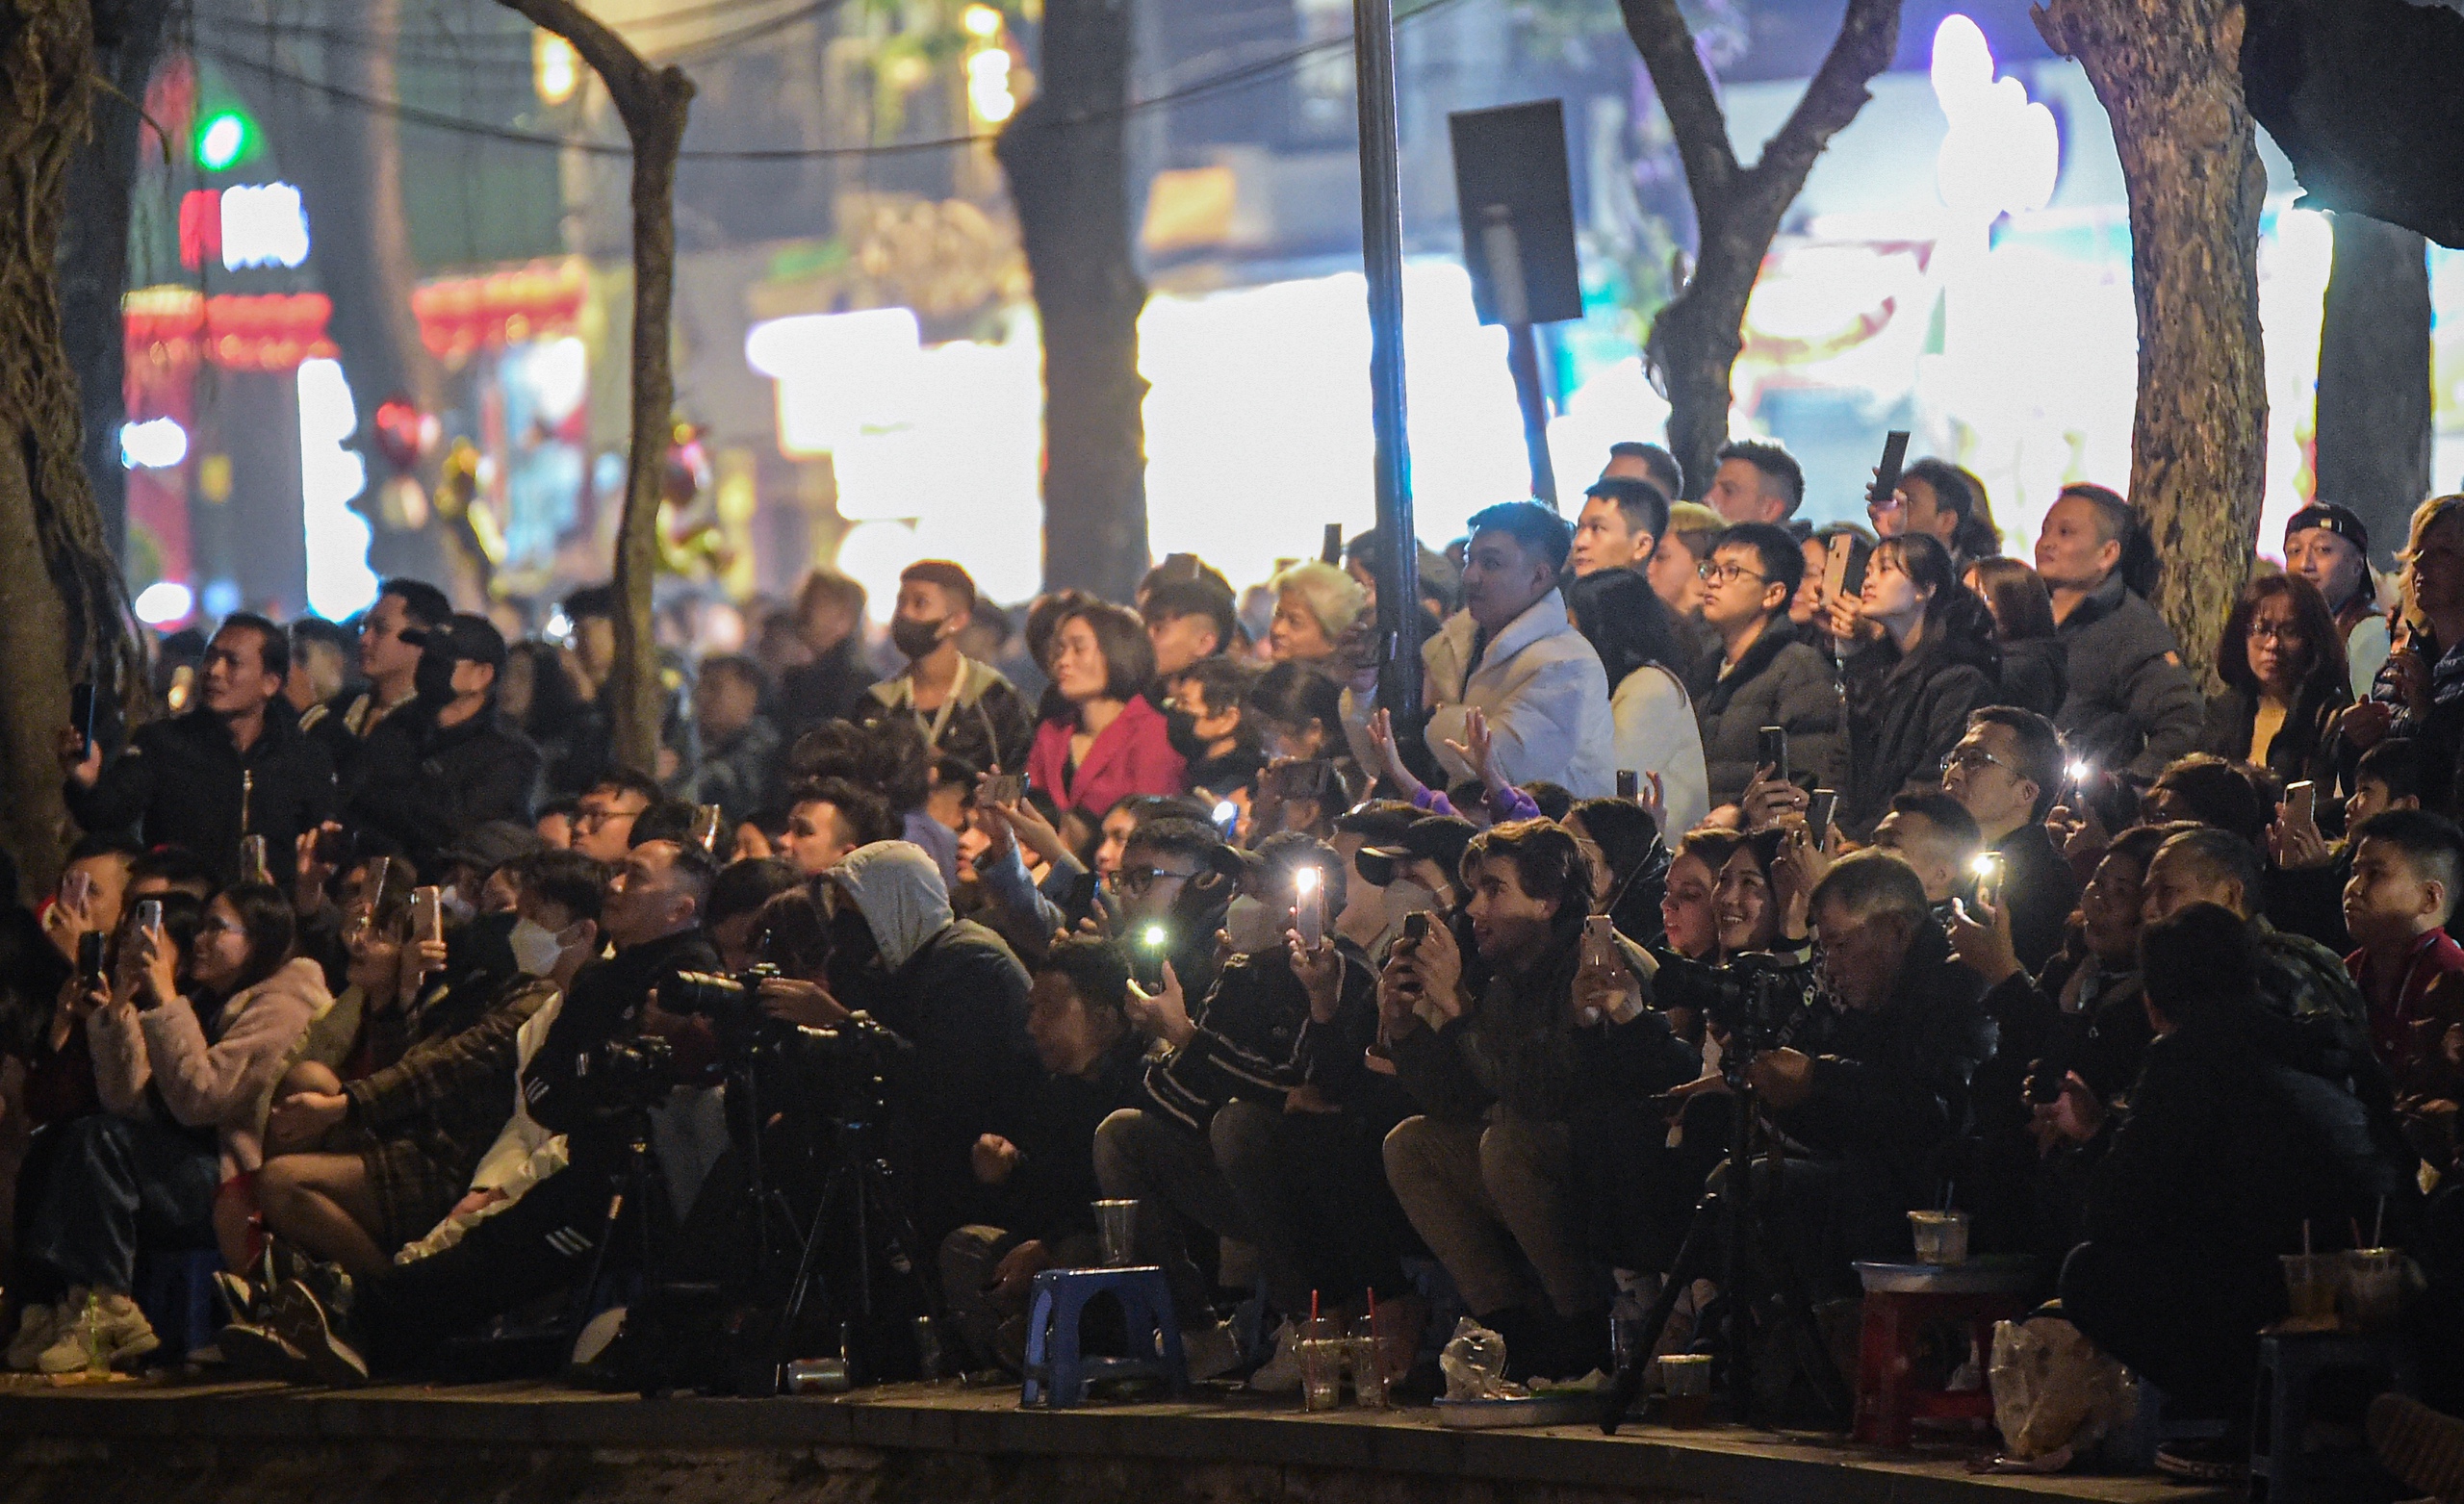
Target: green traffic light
{"x": 221, "y": 140}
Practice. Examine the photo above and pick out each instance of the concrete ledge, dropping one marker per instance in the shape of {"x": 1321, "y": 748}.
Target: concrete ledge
{"x": 925, "y": 1445}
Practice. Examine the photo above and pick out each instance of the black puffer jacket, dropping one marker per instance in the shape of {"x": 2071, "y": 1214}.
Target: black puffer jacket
{"x": 181, "y": 782}
{"x": 2129, "y": 705}
{"x": 1903, "y": 715}
{"x": 1891, "y": 1084}
{"x": 2033, "y": 675}
{"x": 1783, "y": 682}
{"x": 417, "y": 787}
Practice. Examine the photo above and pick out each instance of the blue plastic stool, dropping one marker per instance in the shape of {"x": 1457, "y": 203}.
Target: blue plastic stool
{"x": 1058, "y": 1373}
{"x": 2284, "y": 1469}
{"x": 175, "y": 1290}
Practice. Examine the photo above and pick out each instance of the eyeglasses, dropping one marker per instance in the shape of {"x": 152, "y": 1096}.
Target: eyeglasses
{"x": 1977, "y": 758}
{"x": 1133, "y": 882}
{"x": 2274, "y": 631}
{"x": 1722, "y": 573}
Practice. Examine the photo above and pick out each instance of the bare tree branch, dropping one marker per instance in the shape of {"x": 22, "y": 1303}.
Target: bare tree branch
{"x": 1685, "y": 93}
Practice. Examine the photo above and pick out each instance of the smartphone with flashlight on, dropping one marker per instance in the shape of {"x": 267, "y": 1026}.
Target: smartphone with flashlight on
{"x": 1988, "y": 870}
{"x": 1309, "y": 905}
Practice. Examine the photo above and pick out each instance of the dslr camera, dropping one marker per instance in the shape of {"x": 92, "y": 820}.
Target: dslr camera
{"x": 732, "y": 1003}
{"x": 622, "y": 1076}
{"x": 1754, "y": 999}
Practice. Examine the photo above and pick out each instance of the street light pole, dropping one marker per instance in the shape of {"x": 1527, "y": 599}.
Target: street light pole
{"x": 1382, "y": 249}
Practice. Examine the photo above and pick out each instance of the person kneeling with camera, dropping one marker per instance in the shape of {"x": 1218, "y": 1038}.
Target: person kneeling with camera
{"x": 1036, "y": 1191}
{"x": 1503, "y": 1037}
{"x": 592, "y": 1073}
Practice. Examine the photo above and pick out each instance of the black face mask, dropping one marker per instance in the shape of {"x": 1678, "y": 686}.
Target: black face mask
{"x": 1181, "y": 726}
{"x": 433, "y": 680}
{"x": 915, "y": 638}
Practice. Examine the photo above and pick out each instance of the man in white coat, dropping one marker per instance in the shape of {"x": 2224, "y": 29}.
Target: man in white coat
{"x": 1511, "y": 654}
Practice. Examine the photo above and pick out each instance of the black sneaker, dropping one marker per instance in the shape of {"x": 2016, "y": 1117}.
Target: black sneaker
{"x": 250, "y": 1351}
{"x": 2419, "y": 1445}
{"x": 2219, "y": 1459}
{"x": 301, "y": 1322}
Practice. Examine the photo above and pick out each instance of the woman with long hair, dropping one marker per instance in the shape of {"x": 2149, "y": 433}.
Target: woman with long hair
{"x": 1655, "y": 733}
{"x": 1629, "y": 866}
{"x": 1909, "y": 694}
{"x": 2033, "y": 677}
{"x": 185, "y": 1071}
{"x": 2414, "y": 694}
{"x": 2283, "y": 665}
{"x": 1102, "y": 739}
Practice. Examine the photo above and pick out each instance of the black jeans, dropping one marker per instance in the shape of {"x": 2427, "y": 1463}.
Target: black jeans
{"x": 540, "y": 1243}
{"x": 2188, "y": 1321}
{"x": 116, "y": 1184}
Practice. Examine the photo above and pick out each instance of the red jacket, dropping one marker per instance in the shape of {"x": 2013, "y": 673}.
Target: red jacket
{"x": 2429, "y": 997}
{"x": 1132, "y": 755}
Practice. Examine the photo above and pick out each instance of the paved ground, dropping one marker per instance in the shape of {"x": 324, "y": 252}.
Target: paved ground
{"x": 932, "y": 1443}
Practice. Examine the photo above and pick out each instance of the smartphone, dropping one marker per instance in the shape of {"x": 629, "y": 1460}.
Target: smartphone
{"x": 1309, "y": 905}
{"x": 1771, "y": 750}
{"x": 2301, "y": 802}
{"x": 1227, "y": 818}
{"x": 81, "y": 715}
{"x": 1630, "y": 785}
{"x": 336, "y": 847}
{"x": 1843, "y": 569}
{"x": 1003, "y": 788}
{"x": 149, "y": 917}
{"x": 1332, "y": 550}
{"x": 1415, "y": 927}
{"x": 90, "y": 969}
{"x": 1819, "y": 812}
{"x": 183, "y": 686}
{"x": 76, "y": 890}
{"x": 1599, "y": 942}
{"x": 1987, "y": 868}
{"x": 1306, "y": 778}
{"x": 2077, "y": 776}
{"x": 427, "y": 914}
{"x": 1181, "y": 566}
{"x": 706, "y": 822}
{"x": 1887, "y": 473}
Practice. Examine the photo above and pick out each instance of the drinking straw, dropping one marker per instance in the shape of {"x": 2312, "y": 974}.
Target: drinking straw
{"x": 2305, "y": 1247}
{"x": 1950, "y": 1188}
{"x": 1373, "y": 1303}
{"x": 2378, "y": 1225}
{"x": 2357, "y": 1231}
{"x": 1313, "y": 1294}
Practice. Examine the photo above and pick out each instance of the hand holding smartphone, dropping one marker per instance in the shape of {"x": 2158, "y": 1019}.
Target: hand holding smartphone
{"x": 427, "y": 914}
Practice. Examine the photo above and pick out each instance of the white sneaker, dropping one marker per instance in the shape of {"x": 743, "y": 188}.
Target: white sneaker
{"x": 1281, "y": 1374}
{"x": 37, "y": 1328}
{"x": 121, "y": 1330}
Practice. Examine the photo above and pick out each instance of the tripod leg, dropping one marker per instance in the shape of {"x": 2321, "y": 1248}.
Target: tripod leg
{"x": 805, "y": 1271}
{"x": 1693, "y": 1257}
{"x": 1786, "y": 1282}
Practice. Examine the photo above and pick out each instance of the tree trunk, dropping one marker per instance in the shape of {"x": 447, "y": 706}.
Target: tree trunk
{"x": 1694, "y": 343}
{"x": 94, "y": 247}
{"x": 652, "y": 103}
{"x": 2373, "y": 430}
{"x": 2167, "y": 74}
{"x": 1067, "y": 162}
{"x": 63, "y": 610}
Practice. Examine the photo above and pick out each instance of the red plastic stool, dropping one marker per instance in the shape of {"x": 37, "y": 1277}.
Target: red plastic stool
{"x": 1903, "y": 1302}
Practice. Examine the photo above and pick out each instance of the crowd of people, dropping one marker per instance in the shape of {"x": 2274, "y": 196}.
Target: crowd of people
{"x": 1164, "y": 904}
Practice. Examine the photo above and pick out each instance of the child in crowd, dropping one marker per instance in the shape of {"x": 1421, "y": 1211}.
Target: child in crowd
{"x": 2407, "y": 870}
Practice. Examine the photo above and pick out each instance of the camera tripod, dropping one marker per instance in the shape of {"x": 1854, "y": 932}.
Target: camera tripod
{"x": 859, "y": 1195}
{"x": 1752, "y": 1260}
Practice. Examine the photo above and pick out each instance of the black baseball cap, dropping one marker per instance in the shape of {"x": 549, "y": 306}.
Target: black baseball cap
{"x": 2338, "y": 520}
{"x": 473, "y": 639}
{"x": 1439, "y": 838}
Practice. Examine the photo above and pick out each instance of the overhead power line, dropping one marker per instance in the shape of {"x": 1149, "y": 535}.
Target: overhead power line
{"x": 413, "y": 114}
